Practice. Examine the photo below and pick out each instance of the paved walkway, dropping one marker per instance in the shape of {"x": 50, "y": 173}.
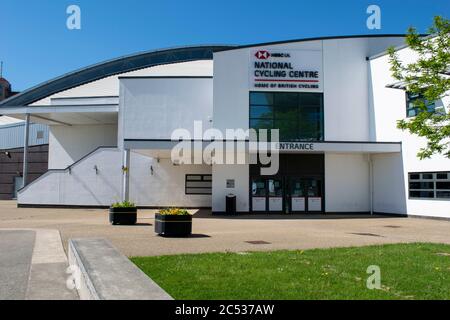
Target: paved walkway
{"x": 16, "y": 250}
{"x": 219, "y": 234}
{"x": 33, "y": 265}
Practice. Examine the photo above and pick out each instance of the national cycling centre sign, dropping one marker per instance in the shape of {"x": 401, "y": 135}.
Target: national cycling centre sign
{"x": 286, "y": 70}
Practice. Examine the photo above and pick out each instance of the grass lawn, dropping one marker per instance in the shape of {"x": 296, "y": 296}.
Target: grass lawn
{"x": 408, "y": 271}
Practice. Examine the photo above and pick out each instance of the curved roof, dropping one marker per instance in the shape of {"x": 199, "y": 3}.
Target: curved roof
{"x": 400, "y": 35}
{"x": 110, "y": 68}
{"x": 140, "y": 61}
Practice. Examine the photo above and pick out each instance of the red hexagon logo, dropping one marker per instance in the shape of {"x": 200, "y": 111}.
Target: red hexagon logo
{"x": 262, "y": 55}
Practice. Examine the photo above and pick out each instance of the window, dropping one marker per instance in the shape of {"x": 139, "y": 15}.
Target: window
{"x": 198, "y": 184}
{"x": 429, "y": 185}
{"x": 298, "y": 116}
{"x": 411, "y": 109}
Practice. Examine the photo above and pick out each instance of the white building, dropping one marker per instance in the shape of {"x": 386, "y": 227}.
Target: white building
{"x": 333, "y": 99}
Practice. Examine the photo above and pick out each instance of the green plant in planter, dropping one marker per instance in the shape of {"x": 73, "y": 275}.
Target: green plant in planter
{"x": 173, "y": 222}
{"x": 123, "y": 204}
{"x": 174, "y": 212}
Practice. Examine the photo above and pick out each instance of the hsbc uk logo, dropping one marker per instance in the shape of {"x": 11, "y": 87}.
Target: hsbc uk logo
{"x": 264, "y": 55}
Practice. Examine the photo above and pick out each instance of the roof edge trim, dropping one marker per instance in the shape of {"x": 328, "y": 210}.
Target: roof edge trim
{"x": 262, "y": 44}
{"x": 110, "y": 68}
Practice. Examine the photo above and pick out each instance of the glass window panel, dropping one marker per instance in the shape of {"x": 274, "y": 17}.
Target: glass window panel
{"x": 304, "y": 122}
{"x": 414, "y": 176}
{"x": 192, "y": 177}
{"x": 427, "y": 176}
{"x": 310, "y": 99}
{"x": 443, "y": 185}
{"x": 261, "y": 123}
{"x": 198, "y": 191}
{"x": 288, "y": 129}
{"x": 286, "y": 99}
{"x": 258, "y": 188}
{"x": 310, "y": 124}
{"x": 431, "y": 107}
{"x": 261, "y": 98}
{"x": 286, "y": 112}
{"x": 298, "y": 188}
{"x": 412, "y": 110}
{"x": 421, "y": 185}
{"x": 264, "y": 112}
{"x": 443, "y": 194}
{"x": 442, "y": 176}
{"x": 196, "y": 184}
{"x": 275, "y": 188}
{"x": 421, "y": 194}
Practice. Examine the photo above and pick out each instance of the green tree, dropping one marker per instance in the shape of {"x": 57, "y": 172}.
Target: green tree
{"x": 428, "y": 77}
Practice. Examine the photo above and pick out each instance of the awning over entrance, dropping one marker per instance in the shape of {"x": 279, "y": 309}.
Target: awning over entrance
{"x": 66, "y": 114}
{"x": 331, "y": 147}
{"x": 162, "y": 148}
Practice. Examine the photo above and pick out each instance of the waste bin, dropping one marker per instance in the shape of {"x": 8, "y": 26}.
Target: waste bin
{"x": 231, "y": 204}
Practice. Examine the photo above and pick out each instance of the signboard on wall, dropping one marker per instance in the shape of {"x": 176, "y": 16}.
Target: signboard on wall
{"x": 286, "y": 70}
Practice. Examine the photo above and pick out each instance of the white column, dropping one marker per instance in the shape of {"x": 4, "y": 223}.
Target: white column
{"x": 25, "y": 150}
{"x": 370, "y": 182}
{"x": 126, "y": 175}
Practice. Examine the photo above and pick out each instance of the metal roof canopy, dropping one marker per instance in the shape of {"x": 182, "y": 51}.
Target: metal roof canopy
{"x": 397, "y": 85}
{"x": 66, "y": 114}
{"x": 109, "y": 68}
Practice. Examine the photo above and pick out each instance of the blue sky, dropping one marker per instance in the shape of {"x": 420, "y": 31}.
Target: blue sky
{"x": 36, "y": 45}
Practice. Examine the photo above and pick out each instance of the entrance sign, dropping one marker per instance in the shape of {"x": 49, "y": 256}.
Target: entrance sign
{"x": 295, "y": 146}
{"x": 286, "y": 70}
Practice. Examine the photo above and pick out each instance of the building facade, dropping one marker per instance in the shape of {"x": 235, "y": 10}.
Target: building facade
{"x": 113, "y": 129}
{"x": 12, "y": 152}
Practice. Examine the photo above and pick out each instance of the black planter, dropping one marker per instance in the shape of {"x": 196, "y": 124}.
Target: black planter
{"x": 173, "y": 226}
{"x": 125, "y": 216}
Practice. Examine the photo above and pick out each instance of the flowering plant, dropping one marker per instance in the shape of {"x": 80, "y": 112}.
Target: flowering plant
{"x": 174, "y": 212}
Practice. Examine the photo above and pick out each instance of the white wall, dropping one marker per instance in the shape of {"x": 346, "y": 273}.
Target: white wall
{"x": 67, "y": 144}
{"x": 82, "y": 186}
{"x": 221, "y": 173}
{"x": 346, "y": 97}
{"x": 388, "y": 184}
{"x": 346, "y": 183}
{"x": 388, "y": 106}
{"x": 110, "y": 86}
{"x": 231, "y": 84}
{"x": 152, "y": 108}
{"x": 345, "y": 82}
{"x": 166, "y": 187}
{"x": 346, "y": 90}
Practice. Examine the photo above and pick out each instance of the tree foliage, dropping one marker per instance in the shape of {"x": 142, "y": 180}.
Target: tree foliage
{"x": 428, "y": 77}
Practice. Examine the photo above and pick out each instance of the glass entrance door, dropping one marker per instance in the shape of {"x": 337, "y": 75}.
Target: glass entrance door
{"x": 259, "y": 194}
{"x": 275, "y": 195}
{"x": 304, "y": 194}
{"x": 314, "y": 194}
{"x": 297, "y": 195}
{"x": 286, "y": 194}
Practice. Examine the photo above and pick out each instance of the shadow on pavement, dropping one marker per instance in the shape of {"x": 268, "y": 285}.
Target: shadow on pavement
{"x": 206, "y": 214}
